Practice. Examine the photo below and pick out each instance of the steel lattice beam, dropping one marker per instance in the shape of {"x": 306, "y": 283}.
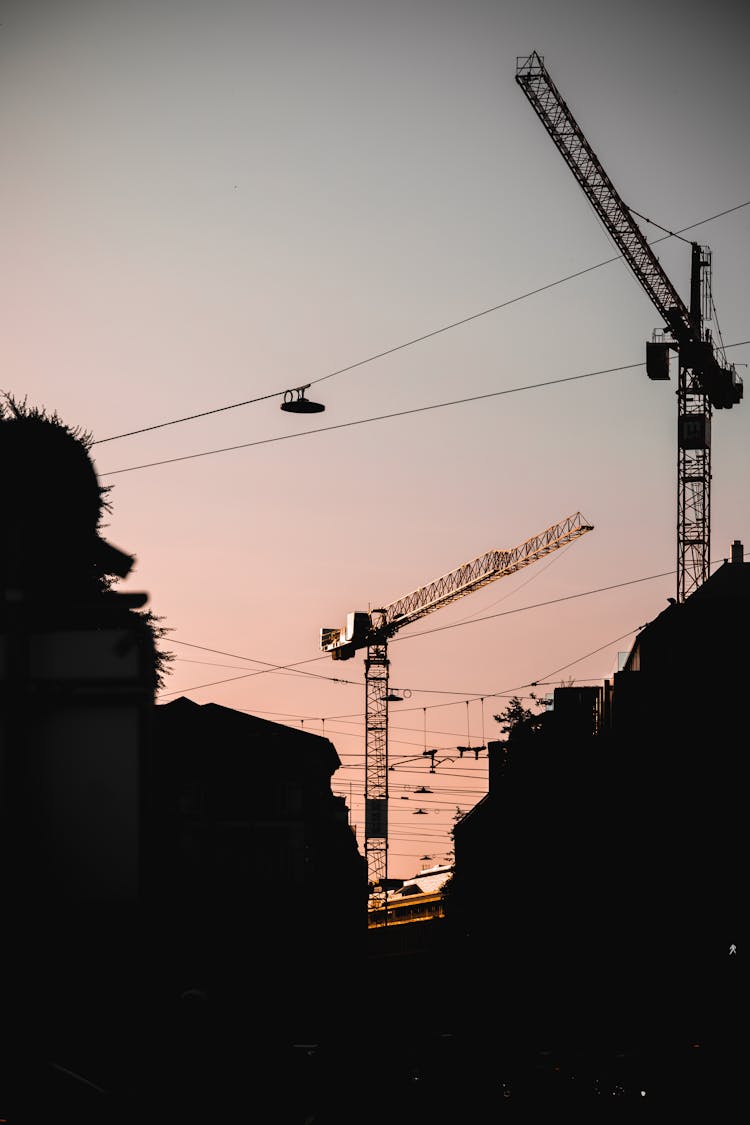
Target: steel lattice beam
{"x": 376, "y": 762}
{"x": 552, "y": 110}
{"x": 703, "y": 381}
{"x": 479, "y": 572}
{"x": 693, "y": 486}
{"x": 373, "y": 629}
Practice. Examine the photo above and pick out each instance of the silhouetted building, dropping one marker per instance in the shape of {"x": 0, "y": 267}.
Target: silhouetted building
{"x": 597, "y": 880}
{"x": 257, "y": 877}
{"x": 678, "y": 712}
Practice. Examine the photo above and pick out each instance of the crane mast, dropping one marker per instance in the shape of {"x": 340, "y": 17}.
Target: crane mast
{"x": 372, "y": 629}
{"x": 703, "y": 381}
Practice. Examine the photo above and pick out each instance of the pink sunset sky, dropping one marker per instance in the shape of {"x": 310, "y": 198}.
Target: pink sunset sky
{"x": 209, "y": 203}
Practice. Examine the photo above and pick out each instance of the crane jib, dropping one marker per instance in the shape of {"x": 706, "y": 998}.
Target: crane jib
{"x": 363, "y": 629}
{"x": 705, "y": 379}
{"x": 372, "y": 631}
{"x": 546, "y": 100}
{"x": 719, "y": 381}
{"x": 479, "y": 572}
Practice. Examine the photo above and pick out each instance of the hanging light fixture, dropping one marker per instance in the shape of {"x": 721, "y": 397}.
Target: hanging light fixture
{"x": 296, "y": 403}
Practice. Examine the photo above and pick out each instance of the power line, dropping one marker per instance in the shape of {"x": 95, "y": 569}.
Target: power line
{"x": 422, "y": 338}
{"x": 359, "y": 363}
{"x": 189, "y": 417}
{"x": 269, "y": 667}
{"x": 593, "y": 652}
{"x": 335, "y": 679}
{"x": 384, "y": 417}
{"x": 537, "y": 605}
{"x": 375, "y": 418}
{"x": 425, "y": 632}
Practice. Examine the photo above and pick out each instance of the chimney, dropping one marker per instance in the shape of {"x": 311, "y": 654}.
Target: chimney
{"x": 738, "y": 555}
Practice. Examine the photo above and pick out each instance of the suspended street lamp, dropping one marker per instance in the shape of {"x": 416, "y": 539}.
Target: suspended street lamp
{"x": 300, "y": 404}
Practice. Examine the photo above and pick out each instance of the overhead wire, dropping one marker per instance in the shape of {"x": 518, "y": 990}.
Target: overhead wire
{"x": 424, "y": 336}
{"x": 383, "y": 417}
{"x": 546, "y": 677}
{"x": 272, "y": 668}
{"x": 397, "y": 414}
{"x": 537, "y": 605}
{"x": 374, "y": 418}
{"x": 188, "y": 418}
{"x": 268, "y": 669}
{"x": 536, "y": 573}
{"x": 667, "y": 231}
{"x": 512, "y": 691}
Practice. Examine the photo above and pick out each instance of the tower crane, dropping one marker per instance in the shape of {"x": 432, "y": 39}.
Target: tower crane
{"x": 372, "y": 630}
{"x": 705, "y": 379}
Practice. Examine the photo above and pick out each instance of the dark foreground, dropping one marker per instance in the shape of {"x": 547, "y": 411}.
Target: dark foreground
{"x": 199, "y": 1064}
{"x": 440, "y": 1039}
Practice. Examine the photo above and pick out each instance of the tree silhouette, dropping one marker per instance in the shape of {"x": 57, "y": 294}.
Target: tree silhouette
{"x": 53, "y": 553}
{"x": 519, "y": 722}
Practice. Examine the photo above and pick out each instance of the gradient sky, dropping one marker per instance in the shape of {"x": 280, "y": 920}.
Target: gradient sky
{"x": 208, "y": 202}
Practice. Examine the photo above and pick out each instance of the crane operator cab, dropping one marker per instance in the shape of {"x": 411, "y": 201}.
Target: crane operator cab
{"x": 343, "y": 643}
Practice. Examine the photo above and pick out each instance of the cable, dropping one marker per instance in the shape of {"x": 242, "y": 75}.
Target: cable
{"x": 382, "y": 417}
{"x": 425, "y": 336}
{"x": 423, "y": 633}
{"x": 188, "y": 418}
{"x": 538, "y": 605}
{"x": 268, "y": 666}
{"x": 671, "y": 233}
{"x": 375, "y": 418}
{"x": 359, "y": 363}
{"x": 710, "y": 219}
{"x": 258, "y": 672}
{"x": 536, "y": 573}
{"x": 351, "y": 366}
{"x": 536, "y": 683}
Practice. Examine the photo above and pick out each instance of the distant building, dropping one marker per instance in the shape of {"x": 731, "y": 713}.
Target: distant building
{"x": 406, "y": 935}
{"x": 417, "y": 899}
